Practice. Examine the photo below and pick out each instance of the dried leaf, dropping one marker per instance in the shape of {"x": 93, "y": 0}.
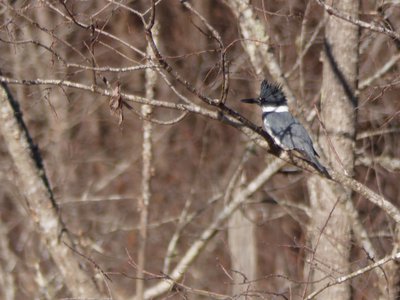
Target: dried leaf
{"x": 116, "y": 104}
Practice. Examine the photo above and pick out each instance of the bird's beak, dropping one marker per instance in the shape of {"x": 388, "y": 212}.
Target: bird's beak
{"x": 251, "y": 101}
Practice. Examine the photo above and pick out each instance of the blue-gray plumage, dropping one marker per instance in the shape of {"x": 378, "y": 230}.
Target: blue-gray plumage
{"x": 285, "y": 130}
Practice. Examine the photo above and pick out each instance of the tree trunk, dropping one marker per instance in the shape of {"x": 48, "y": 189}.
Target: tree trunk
{"x": 243, "y": 250}
{"x": 330, "y": 236}
{"x": 33, "y": 182}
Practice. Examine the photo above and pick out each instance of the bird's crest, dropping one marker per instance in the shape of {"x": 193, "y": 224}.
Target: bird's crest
{"x": 272, "y": 93}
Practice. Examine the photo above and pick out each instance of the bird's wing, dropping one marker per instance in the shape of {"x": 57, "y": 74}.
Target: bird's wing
{"x": 289, "y": 134}
{"x": 289, "y": 131}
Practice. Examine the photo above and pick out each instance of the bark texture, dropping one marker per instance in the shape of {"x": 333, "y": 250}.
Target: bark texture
{"x": 243, "y": 249}
{"x": 43, "y": 210}
{"x": 144, "y": 202}
{"x": 331, "y": 236}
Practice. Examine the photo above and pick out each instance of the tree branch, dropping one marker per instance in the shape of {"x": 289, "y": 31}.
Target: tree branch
{"x": 193, "y": 252}
{"x": 254, "y": 132}
{"x": 333, "y": 11}
{"x": 354, "y": 274}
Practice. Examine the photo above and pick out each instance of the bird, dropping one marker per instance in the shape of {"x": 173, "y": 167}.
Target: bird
{"x": 285, "y": 130}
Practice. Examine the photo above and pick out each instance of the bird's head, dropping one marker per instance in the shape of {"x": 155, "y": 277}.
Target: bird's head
{"x": 271, "y": 94}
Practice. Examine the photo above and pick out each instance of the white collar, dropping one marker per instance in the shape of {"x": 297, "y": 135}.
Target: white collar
{"x": 277, "y": 109}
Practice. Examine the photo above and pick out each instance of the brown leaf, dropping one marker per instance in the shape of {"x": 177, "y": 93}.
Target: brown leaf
{"x": 116, "y": 104}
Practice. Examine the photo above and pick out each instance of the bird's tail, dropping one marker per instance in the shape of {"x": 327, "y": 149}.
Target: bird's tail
{"x": 319, "y": 166}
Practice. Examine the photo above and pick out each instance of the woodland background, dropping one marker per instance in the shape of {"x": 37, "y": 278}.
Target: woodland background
{"x": 162, "y": 192}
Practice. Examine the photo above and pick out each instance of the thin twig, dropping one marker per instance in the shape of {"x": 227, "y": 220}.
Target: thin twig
{"x": 304, "y": 50}
{"x": 192, "y": 253}
{"x": 389, "y": 163}
{"x": 333, "y": 11}
{"x": 354, "y": 274}
{"x": 365, "y": 83}
{"x": 376, "y": 132}
{"x": 98, "y": 30}
{"x": 223, "y": 62}
{"x": 314, "y": 250}
{"x": 260, "y": 52}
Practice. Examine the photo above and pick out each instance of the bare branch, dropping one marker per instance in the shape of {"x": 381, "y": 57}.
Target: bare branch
{"x": 376, "y": 132}
{"x": 373, "y": 197}
{"x": 389, "y": 163}
{"x": 249, "y": 129}
{"x": 354, "y": 274}
{"x": 217, "y": 37}
{"x": 260, "y": 52}
{"x": 112, "y": 69}
{"x": 380, "y": 72}
{"x": 307, "y": 46}
{"x": 333, "y": 11}
{"x": 184, "y": 219}
{"x": 97, "y": 30}
{"x": 192, "y": 253}
{"x": 45, "y": 30}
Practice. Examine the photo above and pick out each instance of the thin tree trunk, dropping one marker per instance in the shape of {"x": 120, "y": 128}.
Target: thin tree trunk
{"x": 242, "y": 242}
{"x": 147, "y": 154}
{"x": 330, "y": 236}
{"x": 243, "y": 251}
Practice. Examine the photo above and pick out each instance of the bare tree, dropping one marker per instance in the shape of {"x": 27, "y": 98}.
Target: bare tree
{"x": 179, "y": 191}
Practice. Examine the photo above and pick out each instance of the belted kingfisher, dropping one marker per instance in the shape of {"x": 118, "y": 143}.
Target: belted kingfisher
{"x": 282, "y": 127}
